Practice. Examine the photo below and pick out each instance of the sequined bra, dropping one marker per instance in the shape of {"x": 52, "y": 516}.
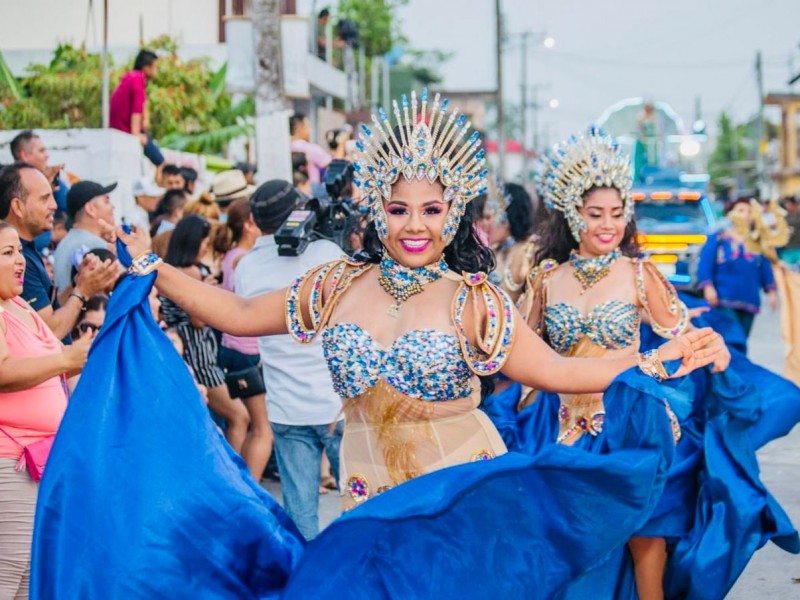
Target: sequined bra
{"x": 611, "y": 325}
{"x": 423, "y": 364}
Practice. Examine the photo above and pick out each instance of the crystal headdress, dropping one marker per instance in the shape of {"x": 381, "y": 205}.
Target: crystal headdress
{"x": 423, "y": 145}
{"x": 497, "y": 199}
{"x": 570, "y": 169}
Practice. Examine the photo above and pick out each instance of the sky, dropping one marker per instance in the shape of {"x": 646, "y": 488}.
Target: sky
{"x": 604, "y": 52}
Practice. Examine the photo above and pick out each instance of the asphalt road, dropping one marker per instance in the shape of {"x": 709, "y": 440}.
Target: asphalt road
{"x": 771, "y": 571}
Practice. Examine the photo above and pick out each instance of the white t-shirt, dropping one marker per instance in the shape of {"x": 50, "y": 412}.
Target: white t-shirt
{"x": 299, "y": 387}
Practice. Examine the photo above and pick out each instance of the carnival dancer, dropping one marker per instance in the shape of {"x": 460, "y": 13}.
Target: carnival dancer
{"x": 733, "y": 268}
{"x": 407, "y": 334}
{"x": 587, "y": 298}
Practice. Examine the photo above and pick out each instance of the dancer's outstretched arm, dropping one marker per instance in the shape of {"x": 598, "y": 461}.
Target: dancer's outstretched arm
{"x": 533, "y": 363}
{"x": 222, "y": 310}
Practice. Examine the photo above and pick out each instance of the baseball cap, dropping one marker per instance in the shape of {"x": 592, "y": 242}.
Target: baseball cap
{"x": 83, "y": 192}
{"x": 147, "y": 187}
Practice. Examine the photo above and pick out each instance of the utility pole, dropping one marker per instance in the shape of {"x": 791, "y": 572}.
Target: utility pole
{"x": 524, "y": 106}
{"x": 104, "y": 106}
{"x": 761, "y": 148}
{"x": 501, "y": 136}
{"x": 273, "y": 157}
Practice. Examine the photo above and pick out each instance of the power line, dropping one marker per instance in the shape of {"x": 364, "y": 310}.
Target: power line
{"x": 611, "y": 62}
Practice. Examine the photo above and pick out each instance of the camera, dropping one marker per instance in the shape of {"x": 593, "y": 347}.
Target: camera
{"x": 332, "y": 218}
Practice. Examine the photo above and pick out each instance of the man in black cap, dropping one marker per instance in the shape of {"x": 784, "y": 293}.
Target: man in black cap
{"x": 26, "y": 203}
{"x": 90, "y": 216}
{"x": 301, "y": 401}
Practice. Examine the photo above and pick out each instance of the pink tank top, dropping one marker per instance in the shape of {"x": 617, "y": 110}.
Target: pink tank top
{"x": 245, "y": 345}
{"x": 33, "y": 414}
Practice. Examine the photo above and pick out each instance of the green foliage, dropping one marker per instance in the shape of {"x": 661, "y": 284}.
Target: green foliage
{"x": 378, "y": 28}
{"x": 729, "y": 160}
{"x": 185, "y": 98}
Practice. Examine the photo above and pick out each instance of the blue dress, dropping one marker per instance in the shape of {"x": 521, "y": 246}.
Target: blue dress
{"x": 143, "y": 498}
{"x": 711, "y": 506}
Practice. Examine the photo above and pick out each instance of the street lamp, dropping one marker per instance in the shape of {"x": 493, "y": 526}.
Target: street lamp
{"x": 549, "y": 42}
{"x": 554, "y": 103}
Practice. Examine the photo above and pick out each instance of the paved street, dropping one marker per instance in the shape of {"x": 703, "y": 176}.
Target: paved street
{"x": 770, "y": 573}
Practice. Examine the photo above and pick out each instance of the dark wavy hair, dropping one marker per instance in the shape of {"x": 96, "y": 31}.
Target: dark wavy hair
{"x": 556, "y": 241}
{"x": 520, "y": 212}
{"x": 186, "y": 239}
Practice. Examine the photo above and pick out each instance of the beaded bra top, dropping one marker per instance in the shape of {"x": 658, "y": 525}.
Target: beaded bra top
{"x": 612, "y": 325}
{"x": 424, "y": 364}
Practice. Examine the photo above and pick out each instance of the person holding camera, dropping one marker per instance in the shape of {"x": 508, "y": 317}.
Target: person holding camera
{"x": 304, "y": 410}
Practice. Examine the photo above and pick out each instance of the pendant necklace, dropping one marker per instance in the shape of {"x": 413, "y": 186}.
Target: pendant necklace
{"x": 588, "y": 271}
{"x": 401, "y": 282}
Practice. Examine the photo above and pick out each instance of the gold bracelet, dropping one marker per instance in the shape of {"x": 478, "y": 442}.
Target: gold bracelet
{"x": 650, "y": 364}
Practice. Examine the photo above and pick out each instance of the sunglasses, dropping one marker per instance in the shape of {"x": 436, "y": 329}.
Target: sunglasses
{"x": 87, "y": 327}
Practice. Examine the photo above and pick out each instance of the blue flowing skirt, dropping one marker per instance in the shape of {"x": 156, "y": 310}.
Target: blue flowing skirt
{"x": 143, "y": 498}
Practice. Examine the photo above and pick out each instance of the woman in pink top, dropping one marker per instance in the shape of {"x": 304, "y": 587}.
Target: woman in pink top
{"x": 240, "y": 353}
{"x": 33, "y": 364}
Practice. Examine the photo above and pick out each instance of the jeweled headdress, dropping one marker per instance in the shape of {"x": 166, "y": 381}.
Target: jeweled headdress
{"x": 570, "y": 169}
{"x": 497, "y": 199}
{"x": 423, "y": 145}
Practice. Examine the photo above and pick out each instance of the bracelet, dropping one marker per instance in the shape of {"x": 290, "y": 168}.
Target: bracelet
{"x": 80, "y": 297}
{"x": 650, "y": 364}
{"x": 145, "y": 264}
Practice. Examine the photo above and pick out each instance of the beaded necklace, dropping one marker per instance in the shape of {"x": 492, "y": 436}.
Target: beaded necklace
{"x": 588, "y": 271}
{"x": 401, "y": 282}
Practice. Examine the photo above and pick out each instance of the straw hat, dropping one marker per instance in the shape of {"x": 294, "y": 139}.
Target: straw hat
{"x": 231, "y": 185}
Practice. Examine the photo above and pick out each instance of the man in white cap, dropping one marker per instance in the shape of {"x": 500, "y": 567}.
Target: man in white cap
{"x": 147, "y": 194}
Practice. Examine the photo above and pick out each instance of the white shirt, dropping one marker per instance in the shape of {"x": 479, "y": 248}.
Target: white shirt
{"x": 299, "y": 387}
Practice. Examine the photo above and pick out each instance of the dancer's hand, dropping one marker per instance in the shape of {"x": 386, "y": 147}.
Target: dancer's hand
{"x": 695, "y": 349}
{"x": 723, "y": 359}
{"x": 138, "y": 241}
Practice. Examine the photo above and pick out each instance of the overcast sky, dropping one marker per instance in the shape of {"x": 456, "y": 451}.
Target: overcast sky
{"x": 606, "y": 51}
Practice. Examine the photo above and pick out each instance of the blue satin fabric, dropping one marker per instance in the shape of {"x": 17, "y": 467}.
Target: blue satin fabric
{"x": 512, "y": 527}
{"x": 636, "y": 423}
{"x": 710, "y": 504}
{"x": 142, "y": 497}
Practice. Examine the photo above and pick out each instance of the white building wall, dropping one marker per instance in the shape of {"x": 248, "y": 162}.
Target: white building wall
{"x": 43, "y": 24}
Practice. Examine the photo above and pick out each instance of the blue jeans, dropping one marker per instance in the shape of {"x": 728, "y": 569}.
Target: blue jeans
{"x": 153, "y": 152}
{"x": 298, "y": 450}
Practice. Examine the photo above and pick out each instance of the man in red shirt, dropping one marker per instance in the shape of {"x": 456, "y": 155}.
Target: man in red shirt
{"x": 128, "y": 107}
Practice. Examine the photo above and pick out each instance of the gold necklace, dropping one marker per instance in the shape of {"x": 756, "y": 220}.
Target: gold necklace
{"x": 588, "y": 271}
{"x": 401, "y": 282}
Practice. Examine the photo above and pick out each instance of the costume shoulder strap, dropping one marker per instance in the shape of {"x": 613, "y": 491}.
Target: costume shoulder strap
{"x": 659, "y": 300}
{"x": 492, "y": 319}
{"x": 533, "y": 301}
{"x": 310, "y": 300}
{"x": 519, "y": 265}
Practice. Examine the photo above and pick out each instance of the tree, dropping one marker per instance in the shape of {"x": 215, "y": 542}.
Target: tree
{"x": 378, "y": 28}
{"x": 188, "y": 105}
{"x": 729, "y": 165}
